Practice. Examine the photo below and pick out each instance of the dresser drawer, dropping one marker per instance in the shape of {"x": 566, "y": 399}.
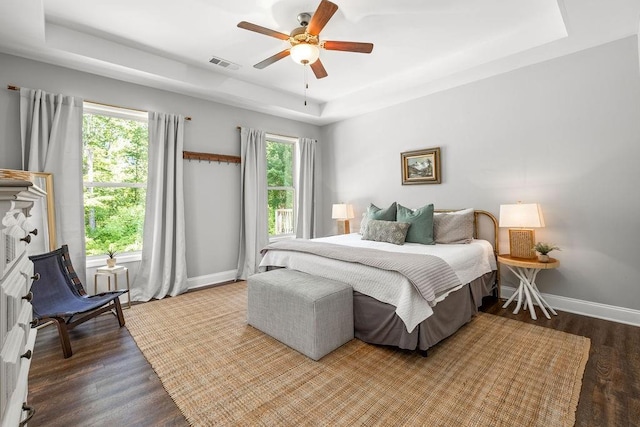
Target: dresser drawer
{"x": 17, "y": 338}
{"x": 15, "y": 295}
{"x": 16, "y": 397}
{"x": 15, "y": 238}
{"x": 10, "y": 362}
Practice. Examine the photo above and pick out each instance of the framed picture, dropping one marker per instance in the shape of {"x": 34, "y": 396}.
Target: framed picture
{"x": 421, "y": 166}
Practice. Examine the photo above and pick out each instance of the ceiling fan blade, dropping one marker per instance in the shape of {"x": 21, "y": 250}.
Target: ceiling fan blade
{"x": 262, "y": 30}
{"x": 318, "y": 70}
{"x": 348, "y": 46}
{"x": 270, "y": 60}
{"x": 321, "y": 16}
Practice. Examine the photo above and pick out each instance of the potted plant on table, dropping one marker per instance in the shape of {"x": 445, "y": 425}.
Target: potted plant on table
{"x": 111, "y": 261}
{"x": 543, "y": 250}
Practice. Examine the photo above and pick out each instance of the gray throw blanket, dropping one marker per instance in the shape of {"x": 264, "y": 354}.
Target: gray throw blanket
{"x": 429, "y": 274}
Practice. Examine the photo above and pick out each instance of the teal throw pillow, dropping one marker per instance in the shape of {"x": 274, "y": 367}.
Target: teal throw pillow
{"x": 374, "y": 212}
{"x": 421, "y": 220}
{"x": 389, "y": 214}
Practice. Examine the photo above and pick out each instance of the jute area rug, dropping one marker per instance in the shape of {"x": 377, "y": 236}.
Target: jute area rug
{"x": 221, "y": 371}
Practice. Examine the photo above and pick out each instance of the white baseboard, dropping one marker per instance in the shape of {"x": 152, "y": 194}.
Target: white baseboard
{"x": 211, "y": 279}
{"x": 586, "y": 308}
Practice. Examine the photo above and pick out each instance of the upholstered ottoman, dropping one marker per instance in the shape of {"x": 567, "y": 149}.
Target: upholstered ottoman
{"x": 310, "y": 314}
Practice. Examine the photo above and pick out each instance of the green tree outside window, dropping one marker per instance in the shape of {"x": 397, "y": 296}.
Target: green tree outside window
{"x": 280, "y": 189}
{"x": 114, "y": 175}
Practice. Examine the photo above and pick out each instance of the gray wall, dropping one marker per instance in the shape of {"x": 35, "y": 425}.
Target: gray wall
{"x": 564, "y": 133}
{"x": 211, "y": 189}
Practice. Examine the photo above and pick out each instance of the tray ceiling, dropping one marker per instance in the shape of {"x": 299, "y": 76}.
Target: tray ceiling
{"x": 421, "y": 47}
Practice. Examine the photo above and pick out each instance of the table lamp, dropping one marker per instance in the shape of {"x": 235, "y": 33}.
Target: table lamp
{"x": 521, "y": 218}
{"x": 343, "y": 213}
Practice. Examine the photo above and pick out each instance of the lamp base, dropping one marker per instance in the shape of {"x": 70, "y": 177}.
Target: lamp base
{"x": 343, "y": 226}
{"x": 521, "y": 242}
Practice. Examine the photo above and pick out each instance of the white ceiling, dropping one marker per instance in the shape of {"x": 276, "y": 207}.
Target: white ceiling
{"x": 421, "y": 46}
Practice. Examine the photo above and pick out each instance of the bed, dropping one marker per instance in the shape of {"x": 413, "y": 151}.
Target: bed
{"x": 392, "y": 305}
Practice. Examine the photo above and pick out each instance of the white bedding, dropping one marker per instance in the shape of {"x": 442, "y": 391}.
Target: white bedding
{"x": 468, "y": 261}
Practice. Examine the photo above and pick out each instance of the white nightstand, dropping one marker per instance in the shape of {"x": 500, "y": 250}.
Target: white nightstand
{"x": 527, "y": 293}
{"x": 112, "y": 271}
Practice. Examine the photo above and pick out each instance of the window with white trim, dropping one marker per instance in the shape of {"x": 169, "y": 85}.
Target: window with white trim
{"x": 115, "y": 148}
{"x": 281, "y": 193}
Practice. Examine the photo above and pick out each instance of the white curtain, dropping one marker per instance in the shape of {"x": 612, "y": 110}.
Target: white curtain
{"x": 163, "y": 269}
{"x": 306, "y": 189}
{"x": 254, "y": 228}
{"x": 51, "y": 135}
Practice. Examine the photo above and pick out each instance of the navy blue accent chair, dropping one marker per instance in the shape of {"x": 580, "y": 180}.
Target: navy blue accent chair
{"x": 59, "y": 296}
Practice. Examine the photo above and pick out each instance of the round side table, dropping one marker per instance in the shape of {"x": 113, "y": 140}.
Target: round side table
{"x": 527, "y": 293}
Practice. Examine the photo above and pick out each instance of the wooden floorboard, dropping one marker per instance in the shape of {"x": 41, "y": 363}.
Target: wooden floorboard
{"x": 611, "y": 384}
{"x": 108, "y": 381}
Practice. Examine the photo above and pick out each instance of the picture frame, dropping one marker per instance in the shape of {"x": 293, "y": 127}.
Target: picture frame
{"x": 421, "y": 166}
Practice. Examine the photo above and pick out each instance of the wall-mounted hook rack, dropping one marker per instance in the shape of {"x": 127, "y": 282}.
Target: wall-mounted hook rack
{"x": 210, "y": 157}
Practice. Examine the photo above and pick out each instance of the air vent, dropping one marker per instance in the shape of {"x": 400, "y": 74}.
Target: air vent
{"x": 224, "y": 63}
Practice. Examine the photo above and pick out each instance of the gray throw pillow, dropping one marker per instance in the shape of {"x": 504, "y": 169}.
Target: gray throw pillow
{"x": 421, "y": 220}
{"x": 386, "y": 231}
{"x": 363, "y": 223}
{"x": 455, "y": 227}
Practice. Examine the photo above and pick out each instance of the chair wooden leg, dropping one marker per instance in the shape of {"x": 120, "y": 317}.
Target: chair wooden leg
{"x": 119, "y": 313}
{"x": 63, "y": 333}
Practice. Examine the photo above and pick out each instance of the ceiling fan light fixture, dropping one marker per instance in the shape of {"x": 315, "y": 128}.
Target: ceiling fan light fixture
{"x": 305, "y": 53}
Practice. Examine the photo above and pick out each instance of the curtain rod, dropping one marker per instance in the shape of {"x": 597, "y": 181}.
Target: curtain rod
{"x": 272, "y": 133}
{"x": 12, "y": 87}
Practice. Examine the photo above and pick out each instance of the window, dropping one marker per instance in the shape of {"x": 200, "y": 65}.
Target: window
{"x": 114, "y": 171}
{"x": 281, "y": 193}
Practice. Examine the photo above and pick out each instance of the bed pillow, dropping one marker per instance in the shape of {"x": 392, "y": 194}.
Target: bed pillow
{"x": 421, "y": 220}
{"x": 386, "y": 231}
{"x": 453, "y": 227}
{"x": 374, "y": 212}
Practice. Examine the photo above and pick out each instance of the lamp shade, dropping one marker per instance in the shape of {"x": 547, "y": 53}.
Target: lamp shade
{"x": 342, "y": 211}
{"x": 523, "y": 215}
{"x": 304, "y": 53}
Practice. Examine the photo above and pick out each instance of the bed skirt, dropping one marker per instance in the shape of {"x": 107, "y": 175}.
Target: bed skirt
{"x": 376, "y": 322}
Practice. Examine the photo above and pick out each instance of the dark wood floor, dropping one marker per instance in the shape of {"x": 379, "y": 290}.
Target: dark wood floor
{"x": 610, "y": 394}
{"x": 108, "y": 382}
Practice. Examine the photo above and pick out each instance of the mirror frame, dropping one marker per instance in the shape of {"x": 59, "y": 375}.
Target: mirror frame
{"x": 49, "y": 200}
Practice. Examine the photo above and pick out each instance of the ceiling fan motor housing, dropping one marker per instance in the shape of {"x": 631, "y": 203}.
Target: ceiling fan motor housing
{"x": 300, "y": 35}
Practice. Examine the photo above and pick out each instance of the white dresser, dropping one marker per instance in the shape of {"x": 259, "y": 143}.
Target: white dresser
{"x": 16, "y": 275}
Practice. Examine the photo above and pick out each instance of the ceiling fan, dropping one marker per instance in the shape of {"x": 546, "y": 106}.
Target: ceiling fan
{"x": 305, "y": 40}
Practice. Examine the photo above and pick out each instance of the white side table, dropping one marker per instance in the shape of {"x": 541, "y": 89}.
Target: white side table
{"x": 527, "y": 293}
{"x": 112, "y": 271}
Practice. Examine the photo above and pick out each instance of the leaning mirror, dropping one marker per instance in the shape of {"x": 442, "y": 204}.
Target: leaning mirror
{"x": 43, "y": 215}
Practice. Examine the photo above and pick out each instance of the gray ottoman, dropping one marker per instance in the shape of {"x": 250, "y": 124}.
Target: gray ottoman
{"x": 310, "y": 314}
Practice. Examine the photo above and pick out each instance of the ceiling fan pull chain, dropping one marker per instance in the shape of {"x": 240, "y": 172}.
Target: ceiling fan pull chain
{"x": 306, "y": 84}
